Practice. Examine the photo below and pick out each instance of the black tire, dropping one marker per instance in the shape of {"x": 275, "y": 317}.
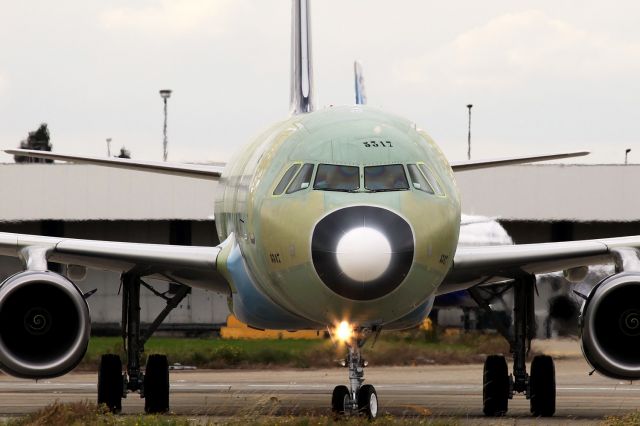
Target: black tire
{"x": 495, "y": 386}
{"x": 339, "y": 399}
{"x": 542, "y": 386}
{"x": 368, "y": 401}
{"x": 156, "y": 385}
{"x": 110, "y": 382}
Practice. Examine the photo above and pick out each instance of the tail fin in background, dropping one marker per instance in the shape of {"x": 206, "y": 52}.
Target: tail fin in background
{"x": 361, "y": 94}
{"x": 302, "y": 91}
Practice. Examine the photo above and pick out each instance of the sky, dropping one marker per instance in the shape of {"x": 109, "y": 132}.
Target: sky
{"x": 544, "y": 76}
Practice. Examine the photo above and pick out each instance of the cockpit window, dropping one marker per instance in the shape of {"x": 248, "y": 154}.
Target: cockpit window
{"x": 431, "y": 178}
{"x": 286, "y": 179}
{"x": 337, "y": 178}
{"x": 385, "y": 178}
{"x": 418, "y": 180}
{"x": 303, "y": 179}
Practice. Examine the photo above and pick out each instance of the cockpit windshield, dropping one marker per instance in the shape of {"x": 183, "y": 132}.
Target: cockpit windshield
{"x": 423, "y": 179}
{"x": 418, "y": 180}
{"x": 431, "y": 178}
{"x": 302, "y": 180}
{"x": 286, "y": 179}
{"x": 330, "y": 177}
{"x": 379, "y": 178}
{"x": 385, "y": 178}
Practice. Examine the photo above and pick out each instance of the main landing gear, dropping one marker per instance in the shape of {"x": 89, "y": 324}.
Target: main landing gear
{"x": 357, "y": 398}
{"x": 153, "y": 382}
{"x": 539, "y": 387}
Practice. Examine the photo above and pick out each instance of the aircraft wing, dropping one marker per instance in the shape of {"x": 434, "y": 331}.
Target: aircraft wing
{"x": 194, "y": 266}
{"x": 498, "y": 162}
{"x": 477, "y": 265}
{"x": 202, "y": 171}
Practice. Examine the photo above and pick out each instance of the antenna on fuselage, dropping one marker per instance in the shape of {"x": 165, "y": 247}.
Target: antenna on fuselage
{"x": 302, "y": 91}
{"x": 361, "y": 94}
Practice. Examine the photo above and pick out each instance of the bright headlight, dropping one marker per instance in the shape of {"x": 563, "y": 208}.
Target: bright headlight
{"x": 344, "y": 331}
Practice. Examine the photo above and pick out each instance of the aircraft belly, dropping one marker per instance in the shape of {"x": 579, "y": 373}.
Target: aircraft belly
{"x": 316, "y": 301}
{"x": 413, "y": 318}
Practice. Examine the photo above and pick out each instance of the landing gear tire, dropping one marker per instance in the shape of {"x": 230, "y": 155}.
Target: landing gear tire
{"x": 542, "y": 386}
{"x": 156, "y": 385}
{"x": 495, "y": 386}
{"x": 110, "y": 382}
{"x": 368, "y": 401}
{"x": 339, "y": 400}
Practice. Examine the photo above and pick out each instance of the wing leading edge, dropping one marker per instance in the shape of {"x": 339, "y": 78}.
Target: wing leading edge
{"x": 489, "y": 264}
{"x": 201, "y": 171}
{"x": 195, "y": 266}
{"x": 461, "y": 166}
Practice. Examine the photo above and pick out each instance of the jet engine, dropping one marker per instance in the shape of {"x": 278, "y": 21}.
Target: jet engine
{"x": 610, "y": 326}
{"x": 44, "y": 325}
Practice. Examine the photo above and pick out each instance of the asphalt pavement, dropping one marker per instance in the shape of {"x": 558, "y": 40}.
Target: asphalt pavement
{"x": 439, "y": 391}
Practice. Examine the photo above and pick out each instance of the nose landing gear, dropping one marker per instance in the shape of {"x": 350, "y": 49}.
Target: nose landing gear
{"x": 358, "y": 398}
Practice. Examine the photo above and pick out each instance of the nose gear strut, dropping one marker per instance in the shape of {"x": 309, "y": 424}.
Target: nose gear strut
{"x": 358, "y": 398}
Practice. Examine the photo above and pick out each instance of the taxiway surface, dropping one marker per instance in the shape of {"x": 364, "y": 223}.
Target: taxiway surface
{"x": 437, "y": 390}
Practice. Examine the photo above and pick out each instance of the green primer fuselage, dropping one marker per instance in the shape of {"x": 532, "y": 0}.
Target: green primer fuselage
{"x": 274, "y": 232}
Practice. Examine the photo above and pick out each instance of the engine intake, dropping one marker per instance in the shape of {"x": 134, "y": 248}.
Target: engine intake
{"x": 610, "y": 326}
{"x": 44, "y": 325}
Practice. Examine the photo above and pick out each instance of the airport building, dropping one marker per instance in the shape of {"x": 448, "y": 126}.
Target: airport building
{"x": 534, "y": 203}
{"x": 546, "y": 203}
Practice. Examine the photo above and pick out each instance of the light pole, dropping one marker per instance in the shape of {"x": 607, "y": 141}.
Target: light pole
{"x": 165, "y": 94}
{"x": 109, "y": 147}
{"x": 469, "y": 135}
{"x": 626, "y": 155}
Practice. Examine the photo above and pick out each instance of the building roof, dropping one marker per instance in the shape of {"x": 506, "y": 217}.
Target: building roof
{"x": 526, "y": 192}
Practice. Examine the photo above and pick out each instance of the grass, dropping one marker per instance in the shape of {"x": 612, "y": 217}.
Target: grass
{"x": 407, "y": 348}
{"x": 217, "y": 353}
{"x": 87, "y": 413}
{"x": 632, "y": 418}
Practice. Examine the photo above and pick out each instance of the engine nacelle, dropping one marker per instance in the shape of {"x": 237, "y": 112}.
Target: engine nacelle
{"x": 610, "y": 326}
{"x": 44, "y": 325}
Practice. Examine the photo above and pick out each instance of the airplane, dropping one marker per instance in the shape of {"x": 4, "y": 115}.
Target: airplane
{"x": 345, "y": 219}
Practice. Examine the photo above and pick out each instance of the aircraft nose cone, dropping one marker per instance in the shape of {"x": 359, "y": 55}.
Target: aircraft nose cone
{"x": 362, "y": 252}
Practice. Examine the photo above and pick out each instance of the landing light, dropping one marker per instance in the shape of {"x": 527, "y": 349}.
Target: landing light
{"x": 344, "y": 331}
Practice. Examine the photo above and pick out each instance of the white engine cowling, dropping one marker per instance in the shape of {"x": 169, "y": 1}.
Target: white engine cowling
{"x": 44, "y": 325}
{"x": 610, "y": 326}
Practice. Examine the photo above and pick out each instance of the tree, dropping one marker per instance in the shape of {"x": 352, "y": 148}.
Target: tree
{"x": 124, "y": 153}
{"x": 38, "y": 140}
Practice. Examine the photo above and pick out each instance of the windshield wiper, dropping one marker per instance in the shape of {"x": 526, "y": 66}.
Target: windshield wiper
{"x": 387, "y": 189}
{"x": 337, "y": 189}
